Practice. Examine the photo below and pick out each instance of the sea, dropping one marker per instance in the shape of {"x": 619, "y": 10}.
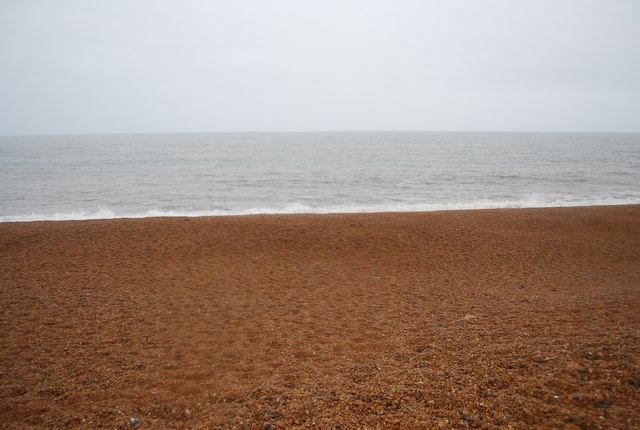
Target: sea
{"x": 203, "y": 174}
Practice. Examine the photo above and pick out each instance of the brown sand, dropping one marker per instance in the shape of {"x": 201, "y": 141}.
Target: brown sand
{"x": 523, "y": 318}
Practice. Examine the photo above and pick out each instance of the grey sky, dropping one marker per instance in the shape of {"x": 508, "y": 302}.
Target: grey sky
{"x": 295, "y": 65}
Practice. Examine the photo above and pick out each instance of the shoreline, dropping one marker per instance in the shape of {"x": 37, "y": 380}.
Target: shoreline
{"x": 473, "y": 318}
{"x": 214, "y": 213}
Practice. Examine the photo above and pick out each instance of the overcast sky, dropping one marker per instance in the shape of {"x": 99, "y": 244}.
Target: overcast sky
{"x": 326, "y": 65}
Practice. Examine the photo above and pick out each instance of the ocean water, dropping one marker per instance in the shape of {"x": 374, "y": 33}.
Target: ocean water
{"x": 113, "y": 176}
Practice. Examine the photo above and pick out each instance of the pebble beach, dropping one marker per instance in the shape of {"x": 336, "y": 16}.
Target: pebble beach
{"x": 506, "y": 318}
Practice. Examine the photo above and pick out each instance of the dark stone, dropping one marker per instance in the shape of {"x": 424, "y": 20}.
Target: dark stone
{"x": 467, "y": 418}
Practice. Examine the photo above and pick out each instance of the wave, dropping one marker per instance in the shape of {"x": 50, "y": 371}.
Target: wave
{"x": 300, "y": 208}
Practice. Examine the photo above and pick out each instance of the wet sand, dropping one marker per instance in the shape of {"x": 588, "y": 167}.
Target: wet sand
{"x": 527, "y": 318}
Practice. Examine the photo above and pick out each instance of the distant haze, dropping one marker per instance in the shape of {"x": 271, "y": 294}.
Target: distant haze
{"x": 114, "y": 66}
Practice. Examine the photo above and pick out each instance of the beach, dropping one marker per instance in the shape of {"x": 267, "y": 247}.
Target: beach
{"x": 528, "y": 318}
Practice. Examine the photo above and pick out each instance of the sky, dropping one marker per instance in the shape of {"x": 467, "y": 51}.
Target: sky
{"x": 138, "y": 66}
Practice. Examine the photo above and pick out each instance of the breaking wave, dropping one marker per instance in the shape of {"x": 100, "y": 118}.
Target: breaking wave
{"x": 300, "y": 208}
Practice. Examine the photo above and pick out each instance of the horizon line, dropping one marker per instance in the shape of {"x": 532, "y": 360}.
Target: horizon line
{"x": 120, "y": 133}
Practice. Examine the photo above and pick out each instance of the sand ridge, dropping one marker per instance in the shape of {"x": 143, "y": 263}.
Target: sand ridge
{"x": 465, "y": 319}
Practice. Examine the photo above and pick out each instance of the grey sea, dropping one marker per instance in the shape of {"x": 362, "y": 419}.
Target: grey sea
{"x": 143, "y": 175}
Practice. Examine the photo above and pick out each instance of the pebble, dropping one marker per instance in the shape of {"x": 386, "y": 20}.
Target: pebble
{"x": 88, "y": 294}
{"x": 466, "y": 417}
{"x": 134, "y": 421}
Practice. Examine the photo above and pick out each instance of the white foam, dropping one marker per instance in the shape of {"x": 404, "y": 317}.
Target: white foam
{"x": 299, "y": 208}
